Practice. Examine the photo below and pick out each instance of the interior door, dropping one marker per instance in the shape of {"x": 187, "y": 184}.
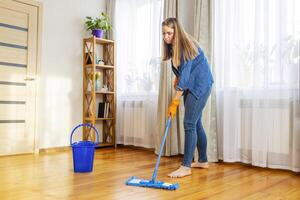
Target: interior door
{"x": 18, "y": 64}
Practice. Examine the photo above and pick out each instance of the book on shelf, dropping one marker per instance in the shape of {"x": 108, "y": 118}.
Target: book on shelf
{"x": 103, "y": 109}
{"x": 107, "y": 110}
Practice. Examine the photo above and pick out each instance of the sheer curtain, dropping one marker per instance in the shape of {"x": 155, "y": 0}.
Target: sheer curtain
{"x": 137, "y": 35}
{"x": 256, "y": 55}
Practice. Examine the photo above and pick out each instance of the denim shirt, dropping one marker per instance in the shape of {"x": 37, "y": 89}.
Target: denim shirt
{"x": 194, "y": 75}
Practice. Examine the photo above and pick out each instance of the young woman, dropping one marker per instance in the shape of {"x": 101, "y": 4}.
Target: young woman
{"x": 194, "y": 81}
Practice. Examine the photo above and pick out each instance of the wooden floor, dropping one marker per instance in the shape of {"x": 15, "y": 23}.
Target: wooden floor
{"x": 50, "y": 176}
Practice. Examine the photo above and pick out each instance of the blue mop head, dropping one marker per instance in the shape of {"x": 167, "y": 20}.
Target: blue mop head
{"x": 133, "y": 181}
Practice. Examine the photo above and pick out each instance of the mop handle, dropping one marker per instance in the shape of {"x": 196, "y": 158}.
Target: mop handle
{"x": 161, "y": 149}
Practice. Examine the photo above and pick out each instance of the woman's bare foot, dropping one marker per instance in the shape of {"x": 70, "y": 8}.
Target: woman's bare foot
{"x": 181, "y": 172}
{"x": 203, "y": 165}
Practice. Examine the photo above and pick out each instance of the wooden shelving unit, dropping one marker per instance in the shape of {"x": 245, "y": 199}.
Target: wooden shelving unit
{"x": 95, "y": 49}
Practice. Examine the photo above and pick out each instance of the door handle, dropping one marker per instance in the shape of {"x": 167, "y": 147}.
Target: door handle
{"x": 29, "y": 79}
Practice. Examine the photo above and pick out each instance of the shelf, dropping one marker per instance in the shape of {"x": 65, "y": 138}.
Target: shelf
{"x": 100, "y": 66}
{"x": 91, "y": 97}
{"x": 100, "y": 40}
{"x": 104, "y": 144}
{"x": 98, "y": 92}
{"x": 99, "y": 119}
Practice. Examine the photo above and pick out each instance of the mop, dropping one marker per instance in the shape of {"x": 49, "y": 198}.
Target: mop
{"x": 134, "y": 181}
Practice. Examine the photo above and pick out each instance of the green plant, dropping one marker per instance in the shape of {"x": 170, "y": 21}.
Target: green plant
{"x": 101, "y": 22}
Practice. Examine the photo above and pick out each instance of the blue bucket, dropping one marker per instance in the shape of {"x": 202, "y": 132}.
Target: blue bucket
{"x": 83, "y": 152}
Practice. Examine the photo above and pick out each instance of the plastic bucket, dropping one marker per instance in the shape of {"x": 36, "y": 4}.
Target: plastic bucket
{"x": 83, "y": 152}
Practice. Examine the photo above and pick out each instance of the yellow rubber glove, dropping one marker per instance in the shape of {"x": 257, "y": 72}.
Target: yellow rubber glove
{"x": 173, "y": 107}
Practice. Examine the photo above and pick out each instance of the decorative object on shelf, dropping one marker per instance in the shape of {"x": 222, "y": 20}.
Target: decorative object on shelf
{"x": 100, "y": 62}
{"x": 104, "y": 88}
{"x": 98, "y": 25}
{"x": 98, "y": 81}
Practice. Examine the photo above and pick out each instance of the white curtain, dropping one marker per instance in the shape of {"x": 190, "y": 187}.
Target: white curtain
{"x": 256, "y": 55}
{"x": 137, "y": 35}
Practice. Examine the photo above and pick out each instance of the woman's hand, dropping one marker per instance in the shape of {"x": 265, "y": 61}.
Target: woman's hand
{"x": 175, "y": 82}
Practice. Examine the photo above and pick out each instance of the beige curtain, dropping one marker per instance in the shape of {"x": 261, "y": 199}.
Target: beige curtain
{"x": 110, "y": 9}
{"x": 175, "y": 140}
{"x": 203, "y": 34}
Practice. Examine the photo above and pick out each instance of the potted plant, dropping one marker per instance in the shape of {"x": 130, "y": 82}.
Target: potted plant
{"x": 98, "y": 25}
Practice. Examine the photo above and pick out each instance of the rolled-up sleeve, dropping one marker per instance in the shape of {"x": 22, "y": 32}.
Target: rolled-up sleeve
{"x": 184, "y": 78}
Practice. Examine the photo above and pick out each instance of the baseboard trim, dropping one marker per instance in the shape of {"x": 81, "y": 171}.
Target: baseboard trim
{"x": 68, "y": 148}
{"x": 55, "y": 149}
{"x": 135, "y": 147}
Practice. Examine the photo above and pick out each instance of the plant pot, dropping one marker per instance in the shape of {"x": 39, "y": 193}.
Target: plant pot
{"x": 97, "y": 33}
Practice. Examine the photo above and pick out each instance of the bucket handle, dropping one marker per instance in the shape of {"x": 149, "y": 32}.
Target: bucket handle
{"x": 89, "y": 125}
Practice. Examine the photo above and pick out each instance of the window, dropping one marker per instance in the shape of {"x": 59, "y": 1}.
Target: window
{"x": 138, "y": 36}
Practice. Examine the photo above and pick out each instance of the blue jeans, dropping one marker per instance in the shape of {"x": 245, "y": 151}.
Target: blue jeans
{"x": 194, "y": 132}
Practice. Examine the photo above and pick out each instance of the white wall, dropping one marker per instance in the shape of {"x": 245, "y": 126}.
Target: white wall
{"x": 61, "y": 70}
{"x": 60, "y": 106}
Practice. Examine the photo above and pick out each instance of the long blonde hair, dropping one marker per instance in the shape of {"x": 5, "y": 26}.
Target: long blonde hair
{"x": 183, "y": 44}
